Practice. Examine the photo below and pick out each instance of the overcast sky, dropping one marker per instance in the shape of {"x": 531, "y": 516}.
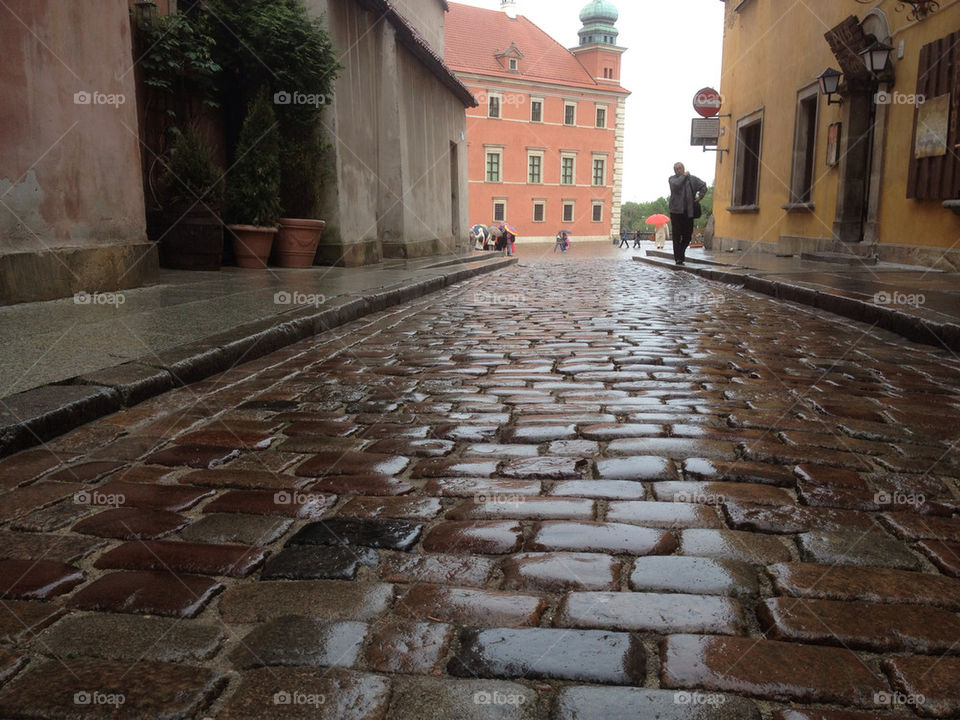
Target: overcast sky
{"x": 674, "y": 49}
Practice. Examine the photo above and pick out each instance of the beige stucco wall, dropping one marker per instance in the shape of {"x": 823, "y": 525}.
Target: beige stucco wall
{"x": 69, "y": 172}
{"x": 427, "y": 16}
{"x": 433, "y": 123}
{"x": 391, "y": 123}
{"x": 772, "y": 50}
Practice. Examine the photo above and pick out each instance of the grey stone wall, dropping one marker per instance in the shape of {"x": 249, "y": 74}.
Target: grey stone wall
{"x": 393, "y": 125}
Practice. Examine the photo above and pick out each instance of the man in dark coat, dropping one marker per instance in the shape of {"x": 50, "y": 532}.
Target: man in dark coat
{"x": 685, "y": 191}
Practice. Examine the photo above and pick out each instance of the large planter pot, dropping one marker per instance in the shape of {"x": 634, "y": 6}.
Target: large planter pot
{"x": 251, "y": 245}
{"x": 191, "y": 241}
{"x": 296, "y": 242}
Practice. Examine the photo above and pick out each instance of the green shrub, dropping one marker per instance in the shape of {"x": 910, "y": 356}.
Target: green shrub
{"x": 253, "y": 183}
{"x": 277, "y": 44}
{"x": 192, "y": 176}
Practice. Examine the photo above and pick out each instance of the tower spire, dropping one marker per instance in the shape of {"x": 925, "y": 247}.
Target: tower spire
{"x": 599, "y": 18}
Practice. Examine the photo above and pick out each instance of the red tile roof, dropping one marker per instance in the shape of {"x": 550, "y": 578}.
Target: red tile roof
{"x": 474, "y": 37}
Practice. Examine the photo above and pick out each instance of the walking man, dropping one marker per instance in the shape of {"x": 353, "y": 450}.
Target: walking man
{"x": 686, "y": 190}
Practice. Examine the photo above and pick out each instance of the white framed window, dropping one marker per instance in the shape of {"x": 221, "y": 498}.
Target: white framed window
{"x": 569, "y": 113}
{"x": 568, "y": 208}
{"x": 493, "y": 105}
{"x": 599, "y": 171}
{"x": 601, "y": 116}
{"x": 514, "y": 65}
{"x": 535, "y": 167}
{"x": 568, "y": 169}
{"x": 539, "y": 211}
{"x": 597, "y": 211}
{"x": 494, "y": 165}
{"x": 499, "y": 209}
{"x": 536, "y": 110}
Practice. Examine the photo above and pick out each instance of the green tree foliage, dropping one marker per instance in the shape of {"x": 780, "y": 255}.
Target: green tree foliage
{"x": 253, "y": 185}
{"x": 277, "y": 44}
{"x": 178, "y": 55}
{"x": 707, "y": 205}
{"x": 630, "y": 216}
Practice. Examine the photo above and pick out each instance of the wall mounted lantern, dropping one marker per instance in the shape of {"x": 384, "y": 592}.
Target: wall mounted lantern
{"x": 829, "y": 81}
{"x": 876, "y": 57}
{"x": 145, "y": 11}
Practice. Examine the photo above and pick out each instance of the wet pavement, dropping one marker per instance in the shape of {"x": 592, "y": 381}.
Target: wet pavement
{"x": 564, "y": 490}
{"x": 920, "y": 303}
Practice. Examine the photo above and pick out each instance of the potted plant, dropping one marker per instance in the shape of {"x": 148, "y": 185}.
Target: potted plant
{"x": 280, "y": 44}
{"x": 299, "y": 234}
{"x": 192, "y": 188}
{"x": 252, "y": 205}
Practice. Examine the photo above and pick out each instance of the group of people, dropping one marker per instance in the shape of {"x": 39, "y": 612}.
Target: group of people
{"x": 686, "y": 192}
{"x": 493, "y": 237}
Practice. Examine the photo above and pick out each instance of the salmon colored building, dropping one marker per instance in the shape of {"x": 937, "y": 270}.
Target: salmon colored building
{"x": 545, "y": 144}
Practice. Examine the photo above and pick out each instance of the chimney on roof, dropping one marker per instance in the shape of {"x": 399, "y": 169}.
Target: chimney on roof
{"x": 510, "y": 8}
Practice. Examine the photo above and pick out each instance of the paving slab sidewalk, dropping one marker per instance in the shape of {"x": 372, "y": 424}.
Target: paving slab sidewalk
{"x": 920, "y": 304}
{"x": 66, "y": 362}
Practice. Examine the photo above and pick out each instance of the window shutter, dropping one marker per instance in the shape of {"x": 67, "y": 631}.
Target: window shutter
{"x": 938, "y": 178}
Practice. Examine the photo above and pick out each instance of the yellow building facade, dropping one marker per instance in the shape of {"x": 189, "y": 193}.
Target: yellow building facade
{"x": 876, "y": 172}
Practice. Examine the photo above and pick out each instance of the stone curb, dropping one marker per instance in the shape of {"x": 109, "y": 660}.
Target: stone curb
{"x": 42, "y": 413}
{"x": 911, "y": 327}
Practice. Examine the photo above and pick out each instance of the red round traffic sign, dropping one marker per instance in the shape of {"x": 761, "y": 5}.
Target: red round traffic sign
{"x": 707, "y": 102}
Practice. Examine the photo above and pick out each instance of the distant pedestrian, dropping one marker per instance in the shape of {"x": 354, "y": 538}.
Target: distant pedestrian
{"x": 686, "y": 190}
{"x": 563, "y": 242}
{"x": 508, "y": 240}
{"x": 660, "y": 237}
{"x": 624, "y": 239}
{"x": 637, "y": 237}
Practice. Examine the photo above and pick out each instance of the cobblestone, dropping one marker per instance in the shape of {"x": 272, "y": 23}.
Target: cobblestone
{"x": 615, "y": 538}
{"x": 862, "y": 626}
{"x": 651, "y": 612}
{"x": 307, "y": 694}
{"x": 297, "y": 640}
{"x": 132, "y": 638}
{"x": 557, "y": 572}
{"x": 546, "y": 495}
{"x": 873, "y": 584}
{"x": 163, "y": 691}
{"x": 769, "y": 669}
{"x": 584, "y": 655}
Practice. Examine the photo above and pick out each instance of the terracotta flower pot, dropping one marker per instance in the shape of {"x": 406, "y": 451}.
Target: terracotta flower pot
{"x": 297, "y": 241}
{"x": 251, "y": 245}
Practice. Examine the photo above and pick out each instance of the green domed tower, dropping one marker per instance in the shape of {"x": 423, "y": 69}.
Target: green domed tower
{"x": 599, "y": 18}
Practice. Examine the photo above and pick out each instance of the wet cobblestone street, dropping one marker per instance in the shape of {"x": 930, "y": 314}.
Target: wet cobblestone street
{"x": 584, "y": 489}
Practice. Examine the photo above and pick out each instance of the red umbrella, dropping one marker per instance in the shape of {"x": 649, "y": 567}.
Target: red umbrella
{"x": 658, "y": 219}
